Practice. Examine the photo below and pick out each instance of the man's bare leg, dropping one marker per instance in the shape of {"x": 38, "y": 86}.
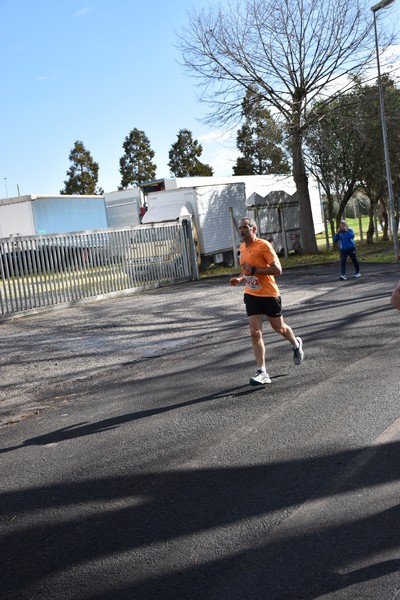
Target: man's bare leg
{"x": 255, "y": 324}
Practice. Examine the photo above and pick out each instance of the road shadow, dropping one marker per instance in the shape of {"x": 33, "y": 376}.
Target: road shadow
{"x": 180, "y": 534}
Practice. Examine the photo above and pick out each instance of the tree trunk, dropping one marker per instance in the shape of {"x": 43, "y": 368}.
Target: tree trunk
{"x": 371, "y": 227}
{"x": 331, "y": 218}
{"x": 385, "y": 222}
{"x": 301, "y": 180}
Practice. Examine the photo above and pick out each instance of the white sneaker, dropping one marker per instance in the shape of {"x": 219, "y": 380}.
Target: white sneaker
{"x": 343, "y": 277}
{"x": 298, "y": 354}
{"x": 260, "y": 378}
{"x": 357, "y": 275}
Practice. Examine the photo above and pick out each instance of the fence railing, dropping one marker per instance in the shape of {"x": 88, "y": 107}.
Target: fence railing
{"x": 42, "y": 271}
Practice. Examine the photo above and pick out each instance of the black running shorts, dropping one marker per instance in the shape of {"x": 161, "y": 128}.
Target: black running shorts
{"x": 270, "y": 306}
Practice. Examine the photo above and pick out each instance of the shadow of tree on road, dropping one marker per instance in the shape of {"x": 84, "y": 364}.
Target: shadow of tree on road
{"x": 179, "y": 534}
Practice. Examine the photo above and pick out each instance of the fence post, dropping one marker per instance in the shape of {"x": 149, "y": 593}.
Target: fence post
{"x": 281, "y": 218}
{"x": 187, "y": 223}
{"x": 327, "y": 241}
{"x": 235, "y": 230}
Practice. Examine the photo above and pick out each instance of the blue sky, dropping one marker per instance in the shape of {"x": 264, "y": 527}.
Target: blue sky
{"x": 92, "y": 71}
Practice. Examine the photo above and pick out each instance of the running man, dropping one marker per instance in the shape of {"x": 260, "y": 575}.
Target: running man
{"x": 260, "y": 263}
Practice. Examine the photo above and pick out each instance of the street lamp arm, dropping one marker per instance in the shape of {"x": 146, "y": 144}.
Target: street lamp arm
{"x": 382, "y": 4}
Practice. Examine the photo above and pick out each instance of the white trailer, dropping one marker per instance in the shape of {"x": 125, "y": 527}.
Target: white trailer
{"x": 278, "y": 222}
{"x": 254, "y": 184}
{"x": 16, "y": 217}
{"x": 213, "y": 210}
{"x": 124, "y": 207}
{"x": 41, "y": 215}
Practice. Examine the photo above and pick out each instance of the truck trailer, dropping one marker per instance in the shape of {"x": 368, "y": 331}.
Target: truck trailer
{"x": 124, "y": 208}
{"x": 213, "y": 210}
{"x": 262, "y": 185}
{"x": 42, "y": 215}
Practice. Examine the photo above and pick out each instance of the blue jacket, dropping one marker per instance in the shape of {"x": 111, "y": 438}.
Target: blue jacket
{"x": 346, "y": 239}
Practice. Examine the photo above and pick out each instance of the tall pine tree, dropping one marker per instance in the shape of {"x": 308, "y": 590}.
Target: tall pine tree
{"x": 184, "y": 157}
{"x": 259, "y": 141}
{"x": 83, "y": 174}
{"x": 136, "y": 165}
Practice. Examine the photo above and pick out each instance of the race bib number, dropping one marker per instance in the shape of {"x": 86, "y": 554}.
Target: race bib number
{"x": 252, "y": 282}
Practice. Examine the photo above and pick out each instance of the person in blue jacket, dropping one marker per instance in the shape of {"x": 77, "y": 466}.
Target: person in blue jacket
{"x": 345, "y": 237}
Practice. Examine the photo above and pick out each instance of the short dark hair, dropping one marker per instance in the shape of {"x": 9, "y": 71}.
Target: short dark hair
{"x": 251, "y": 221}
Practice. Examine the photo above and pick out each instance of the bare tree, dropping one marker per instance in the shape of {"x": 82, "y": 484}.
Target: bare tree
{"x": 335, "y": 146}
{"x": 291, "y": 51}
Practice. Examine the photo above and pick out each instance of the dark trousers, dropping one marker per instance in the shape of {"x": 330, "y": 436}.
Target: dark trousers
{"x": 343, "y": 258}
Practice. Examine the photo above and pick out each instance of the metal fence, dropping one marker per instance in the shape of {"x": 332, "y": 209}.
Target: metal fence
{"x": 42, "y": 271}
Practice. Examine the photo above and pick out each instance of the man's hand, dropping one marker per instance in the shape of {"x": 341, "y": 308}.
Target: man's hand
{"x": 235, "y": 280}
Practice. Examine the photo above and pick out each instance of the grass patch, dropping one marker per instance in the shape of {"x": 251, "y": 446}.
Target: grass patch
{"x": 380, "y": 252}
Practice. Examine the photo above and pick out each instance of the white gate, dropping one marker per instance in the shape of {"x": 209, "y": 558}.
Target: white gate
{"x": 39, "y": 272}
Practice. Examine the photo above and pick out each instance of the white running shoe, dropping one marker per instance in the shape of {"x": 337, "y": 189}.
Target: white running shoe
{"x": 298, "y": 354}
{"x": 343, "y": 277}
{"x": 260, "y": 378}
{"x": 357, "y": 275}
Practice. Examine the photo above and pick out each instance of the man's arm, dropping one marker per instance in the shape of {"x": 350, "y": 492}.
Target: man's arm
{"x": 274, "y": 268}
{"x": 395, "y": 299}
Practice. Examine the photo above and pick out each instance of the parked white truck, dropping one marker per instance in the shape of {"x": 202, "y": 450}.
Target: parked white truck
{"x": 257, "y": 185}
{"x": 217, "y": 203}
{"x": 213, "y": 210}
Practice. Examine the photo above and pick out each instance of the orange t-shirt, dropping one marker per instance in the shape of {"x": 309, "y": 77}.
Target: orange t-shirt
{"x": 259, "y": 254}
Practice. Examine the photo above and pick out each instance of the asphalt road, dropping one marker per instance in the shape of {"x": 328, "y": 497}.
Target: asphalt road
{"x": 138, "y": 464}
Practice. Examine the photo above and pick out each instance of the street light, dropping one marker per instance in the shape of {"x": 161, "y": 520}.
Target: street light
{"x": 375, "y": 8}
{"x": 5, "y": 185}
